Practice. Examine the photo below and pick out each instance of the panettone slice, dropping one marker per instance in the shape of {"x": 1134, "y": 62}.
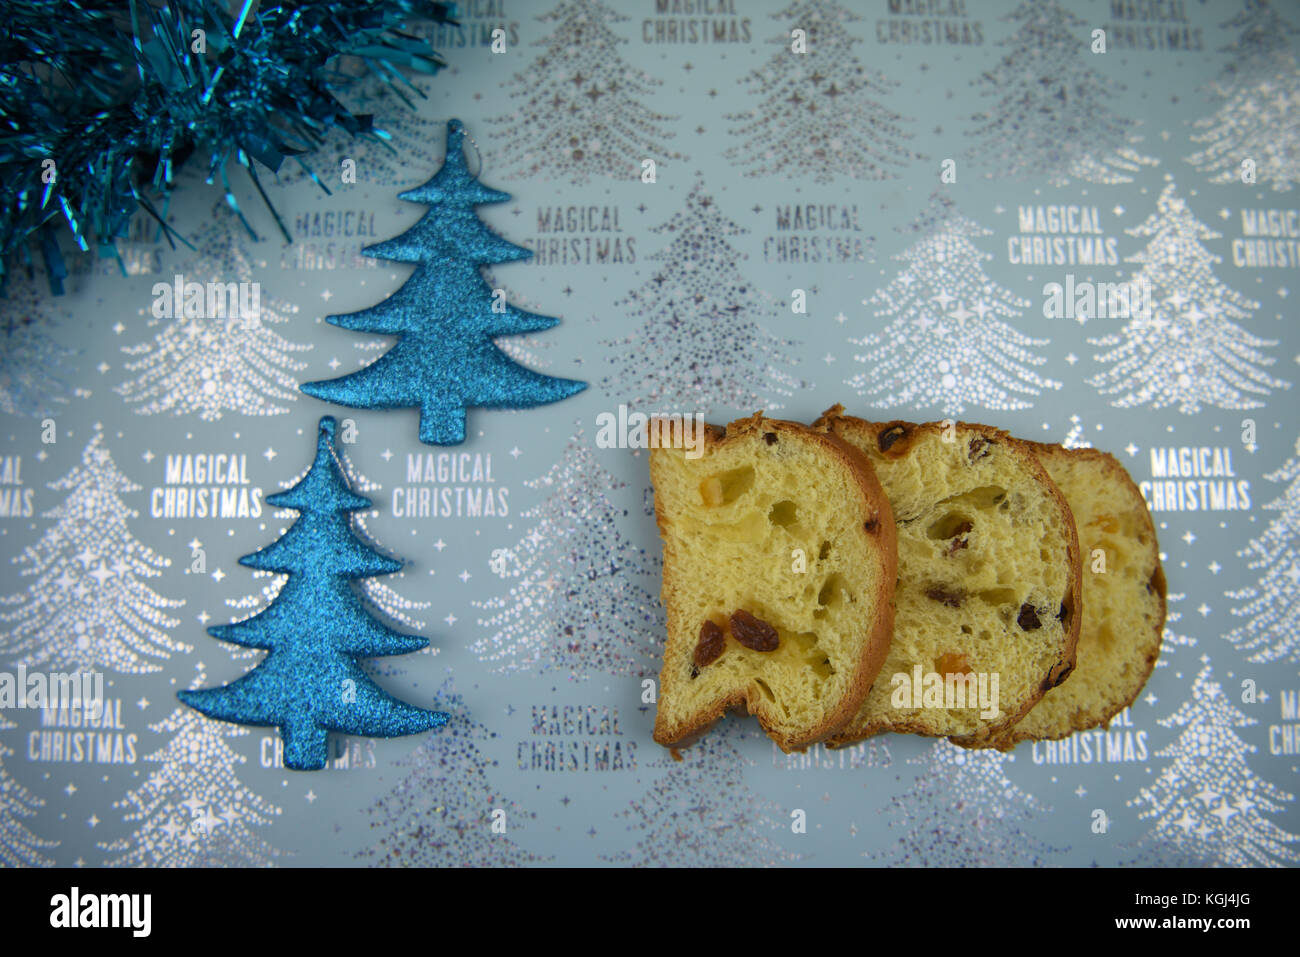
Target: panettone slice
{"x": 779, "y": 568}
{"x": 986, "y": 615}
{"x": 1123, "y": 608}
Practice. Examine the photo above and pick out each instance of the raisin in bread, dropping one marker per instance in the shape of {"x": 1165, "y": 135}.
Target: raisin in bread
{"x": 779, "y": 568}
{"x": 1123, "y": 610}
{"x": 988, "y": 564}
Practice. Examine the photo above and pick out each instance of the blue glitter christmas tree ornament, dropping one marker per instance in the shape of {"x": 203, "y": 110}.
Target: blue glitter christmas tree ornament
{"x": 446, "y": 316}
{"x": 310, "y": 682}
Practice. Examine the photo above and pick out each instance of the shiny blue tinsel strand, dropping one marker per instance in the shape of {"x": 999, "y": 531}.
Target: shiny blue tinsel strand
{"x": 103, "y": 102}
{"x": 444, "y": 316}
{"x": 310, "y": 682}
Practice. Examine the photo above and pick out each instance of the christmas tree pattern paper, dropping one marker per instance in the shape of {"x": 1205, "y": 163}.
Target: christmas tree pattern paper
{"x": 765, "y": 204}
{"x": 946, "y": 346}
{"x": 87, "y": 605}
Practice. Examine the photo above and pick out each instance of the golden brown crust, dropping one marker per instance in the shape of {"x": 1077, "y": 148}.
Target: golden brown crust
{"x": 879, "y": 526}
{"x": 894, "y": 439}
{"x": 1117, "y": 473}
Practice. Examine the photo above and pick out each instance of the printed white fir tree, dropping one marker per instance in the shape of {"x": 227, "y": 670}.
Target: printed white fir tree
{"x": 1076, "y": 438}
{"x": 579, "y": 107}
{"x": 699, "y": 345}
{"x": 212, "y": 365}
{"x": 963, "y": 811}
{"x": 445, "y": 811}
{"x": 946, "y": 346}
{"x": 1185, "y": 351}
{"x": 579, "y": 599}
{"x": 1208, "y": 808}
{"x": 817, "y": 115}
{"x": 192, "y": 810}
{"x": 701, "y": 813}
{"x": 88, "y": 607}
{"x": 1258, "y": 119}
{"x": 1170, "y": 640}
{"x": 19, "y": 847}
{"x": 1271, "y": 606}
{"x": 1053, "y": 117}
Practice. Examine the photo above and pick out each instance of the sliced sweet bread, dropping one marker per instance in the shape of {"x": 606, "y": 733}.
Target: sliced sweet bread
{"x": 988, "y": 584}
{"x": 1123, "y": 610}
{"x": 779, "y": 567}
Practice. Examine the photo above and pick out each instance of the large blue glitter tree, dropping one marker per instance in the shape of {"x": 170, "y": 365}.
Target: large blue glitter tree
{"x": 311, "y": 683}
{"x": 446, "y": 316}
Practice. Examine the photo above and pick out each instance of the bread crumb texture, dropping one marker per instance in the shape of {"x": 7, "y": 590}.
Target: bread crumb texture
{"x": 986, "y": 571}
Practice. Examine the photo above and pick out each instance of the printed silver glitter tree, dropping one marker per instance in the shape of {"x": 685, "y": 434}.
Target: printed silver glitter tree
{"x": 212, "y": 365}
{"x": 382, "y": 156}
{"x": 35, "y": 371}
{"x": 192, "y": 810}
{"x": 817, "y": 113}
{"x": 946, "y": 346}
{"x": 1076, "y": 437}
{"x": 1208, "y": 807}
{"x": 442, "y": 811}
{"x": 579, "y": 109}
{"x": 1271, "y": 606}
{"x": 1258, "y": 92}
{"x": 19, "y": 847}
{"x": 963, "y": 811}
{"x": 87, "y": 607}
{"x": 1188, "y": 352}
{"x": 579, "y": 599}
{"x": 701, "y": 813}
{"x": 699, "y": 345}
{"x": 1053, "y": 115}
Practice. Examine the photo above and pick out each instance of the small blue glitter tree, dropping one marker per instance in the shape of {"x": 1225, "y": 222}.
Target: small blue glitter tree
{"x": 310, "y": 682}
{"x": 446, "y": 316}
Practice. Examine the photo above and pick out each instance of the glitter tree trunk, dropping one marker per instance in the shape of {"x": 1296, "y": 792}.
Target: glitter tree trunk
{"x": 19, "y": 847}
{"x": 1187, "y": 352}
{"x": 817, "y": 115}
{"x": 1053, "y": 115}
{"x": 1271, "y": 606}
{"x": 445, "y": 812}
{"x": 88, "y": 607}
{"x": 579, "y": 600}
{"x": 699, "y": 345}
{"x": 215, "y": 356}
{"x": 1207, "y": 806}
{"x": 446, "y": 316}
{"x": 700, "y": 812}
{"x": 946, "y": 346}
{"x": 1257, "y": 124}
{"x": 579, "y": 110}
{"x": 963, "y": 811}
{"x": 192, "y": 810}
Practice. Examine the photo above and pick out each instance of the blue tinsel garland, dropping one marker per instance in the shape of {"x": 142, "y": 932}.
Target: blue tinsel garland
{"x": 103, "y": 101}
